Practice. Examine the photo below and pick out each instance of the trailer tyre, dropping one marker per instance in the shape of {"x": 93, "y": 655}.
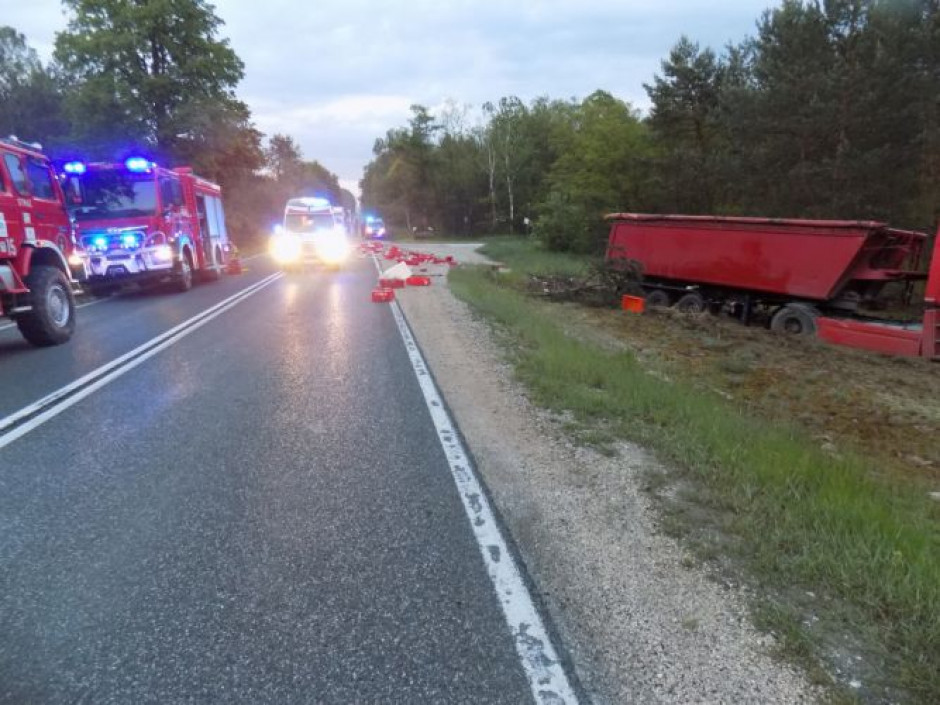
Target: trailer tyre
{"x": 795, "y": 319}
{"x": 52, "y": 318}
{"x": 657, "y": 298}
{"x": 693, "y": 302}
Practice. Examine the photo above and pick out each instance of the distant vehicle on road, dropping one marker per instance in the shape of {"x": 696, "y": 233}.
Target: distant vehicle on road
{"x": 142, "y": 224}
{"x": 313, "y": 232}
{"x": 374, "y": 228}
{"x": 40, "y": 265}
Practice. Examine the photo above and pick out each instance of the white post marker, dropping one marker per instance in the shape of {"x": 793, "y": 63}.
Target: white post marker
{"x": 547, "y": 678}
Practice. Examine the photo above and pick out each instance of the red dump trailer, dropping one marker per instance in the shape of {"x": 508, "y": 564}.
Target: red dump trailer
{"x": 813, "y": 275}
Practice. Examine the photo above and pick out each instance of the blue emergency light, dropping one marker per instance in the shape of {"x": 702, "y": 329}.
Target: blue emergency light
{"x": 138, "y": 164}
{"x": 74, "y": 168}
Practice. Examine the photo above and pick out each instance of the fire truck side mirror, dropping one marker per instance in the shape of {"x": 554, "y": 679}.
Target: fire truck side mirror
{"x": 72, "y": 189}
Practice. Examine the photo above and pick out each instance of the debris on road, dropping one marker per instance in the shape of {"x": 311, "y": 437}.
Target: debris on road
{"x": 402, "y": 273}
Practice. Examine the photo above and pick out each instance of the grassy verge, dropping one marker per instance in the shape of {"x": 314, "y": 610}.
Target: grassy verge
{"x": 802, "y": 521}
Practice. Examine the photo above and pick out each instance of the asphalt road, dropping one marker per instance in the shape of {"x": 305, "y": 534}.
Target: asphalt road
{"x": 259, "y": 513}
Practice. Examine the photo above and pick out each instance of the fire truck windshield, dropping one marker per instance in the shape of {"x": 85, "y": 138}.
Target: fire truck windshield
{"x": 116, "y": 194}
{"x": 308, "y": 222}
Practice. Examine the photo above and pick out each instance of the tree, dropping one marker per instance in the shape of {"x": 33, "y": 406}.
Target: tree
{"x": 684, "y": 118}
{"x": 398, "y": 181}
{"x": 139, "y": 67}
{"x": 283, "y": 158}
{"x": 508, "y": 141}
{"x": 602, "y": 168}
{"x": 31, "y": 104}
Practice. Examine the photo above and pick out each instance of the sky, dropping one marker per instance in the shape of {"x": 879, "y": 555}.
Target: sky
{"x": 337, "y": 74}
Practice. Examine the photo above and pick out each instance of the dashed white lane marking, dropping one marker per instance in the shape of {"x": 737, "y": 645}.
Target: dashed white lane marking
{"x": 21, "y": 422}
{"x": 547, "y": 678}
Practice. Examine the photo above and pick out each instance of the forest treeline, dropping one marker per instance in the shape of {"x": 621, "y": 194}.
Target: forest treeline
{"x": 831, "y": 110}
{"x": 155, "y": 78}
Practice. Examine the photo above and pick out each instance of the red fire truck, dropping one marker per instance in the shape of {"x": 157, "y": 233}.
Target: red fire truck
{"x": 141, "y": 224}
{"x": 39, "y": 263}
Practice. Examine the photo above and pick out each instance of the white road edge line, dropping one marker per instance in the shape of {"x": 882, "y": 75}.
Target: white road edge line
{"x": 117, "y": 367}
{"x": 547, "y": 678}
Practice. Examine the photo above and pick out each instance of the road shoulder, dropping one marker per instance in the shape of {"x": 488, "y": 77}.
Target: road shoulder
{"x": 641, "y": 622}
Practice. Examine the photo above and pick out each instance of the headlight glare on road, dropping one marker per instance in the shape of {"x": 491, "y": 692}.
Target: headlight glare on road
{"x": 285, "y": 248}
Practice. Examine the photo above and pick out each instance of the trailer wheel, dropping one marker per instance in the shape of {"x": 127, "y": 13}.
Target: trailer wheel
{"x": 657, "y": 298}
{"x": 693, "y": 302}
{"x": 52, "y": 318}
{"x": 795, "y": 319}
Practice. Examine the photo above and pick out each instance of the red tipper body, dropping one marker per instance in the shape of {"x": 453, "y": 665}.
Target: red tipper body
{"x": 34, "y": 224}
{"x": 141, "y": 223}
{"x": 806, "y": 259}
{"x": 823, "y": 266}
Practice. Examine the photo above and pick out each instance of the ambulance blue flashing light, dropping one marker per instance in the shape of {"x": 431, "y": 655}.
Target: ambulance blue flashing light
{"x": 74, "y": 168}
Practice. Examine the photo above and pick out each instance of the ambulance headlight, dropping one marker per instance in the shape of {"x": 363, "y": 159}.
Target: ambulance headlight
{"x": 333, "y": 248}
{"x": 285, "y": 248}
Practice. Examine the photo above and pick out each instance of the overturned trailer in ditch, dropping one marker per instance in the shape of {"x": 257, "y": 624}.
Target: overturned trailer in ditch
{"x": 814, "y": 275}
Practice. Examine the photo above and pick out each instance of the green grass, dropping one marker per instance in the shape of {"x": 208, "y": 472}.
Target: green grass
{"x": 524, "y": 256}
{"x": 802, "y": 518}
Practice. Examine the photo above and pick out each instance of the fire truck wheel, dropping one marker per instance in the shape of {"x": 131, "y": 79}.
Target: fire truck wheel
{"x": 52, "y": 318}
{"x": 183, "y": 280}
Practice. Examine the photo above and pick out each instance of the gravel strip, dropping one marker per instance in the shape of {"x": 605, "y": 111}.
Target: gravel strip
{"x": 640, "y": 625}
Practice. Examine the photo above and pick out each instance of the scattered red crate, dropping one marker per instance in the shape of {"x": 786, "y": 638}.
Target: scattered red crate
{"x": 417, "y": 280}
{"x": 382, "y": 296}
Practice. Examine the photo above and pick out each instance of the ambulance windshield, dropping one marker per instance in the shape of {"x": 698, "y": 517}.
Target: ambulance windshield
{"x": 308, "y": 222}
